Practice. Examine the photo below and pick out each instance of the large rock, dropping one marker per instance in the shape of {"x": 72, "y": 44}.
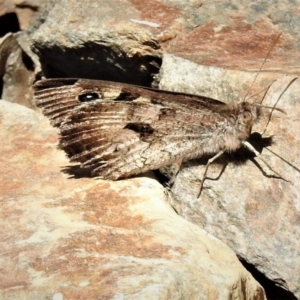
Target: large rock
{"x": 242, "y": 203}
{"x": 123, "y": 40}
{"x": 64, "y": 238}
{"x": 96, "y": 40}
{"x": 227, "y": 34}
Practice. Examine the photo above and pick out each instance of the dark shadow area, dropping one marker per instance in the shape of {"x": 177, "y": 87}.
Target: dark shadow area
{"x": 1, "y": 87}
{"x": 96, "y": 61}
{"x": 275, "y": 290}
{"x": 163, "y": 178}
{"x": 9, "y": 23}
{"x": 76, "y": 171}
{"x": 243, "y": 154}
{"x": 27, "y": 61}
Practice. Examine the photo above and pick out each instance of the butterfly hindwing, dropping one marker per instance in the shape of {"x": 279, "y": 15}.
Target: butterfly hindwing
{"x": 118, "y": 140}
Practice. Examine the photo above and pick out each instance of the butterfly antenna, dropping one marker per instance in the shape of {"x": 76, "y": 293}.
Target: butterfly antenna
{"x": 265, "y": 106}
{"x": 262, "y": 65}
{"x": 267, "y": 90}
{"x": 287, "y": 162}
{"x": 274, "y": 106}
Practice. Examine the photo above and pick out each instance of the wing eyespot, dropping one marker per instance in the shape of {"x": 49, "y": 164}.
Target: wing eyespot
{"x": 87, "y": 97}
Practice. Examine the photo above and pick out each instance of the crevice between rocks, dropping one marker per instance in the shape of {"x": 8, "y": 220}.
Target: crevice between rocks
{"x": 9, "y": 23}
{"x": 98, "y": 62}
{"x": 275, "y": 290}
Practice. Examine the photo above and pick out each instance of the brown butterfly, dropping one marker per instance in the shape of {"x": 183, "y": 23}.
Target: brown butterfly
{"x": 119, "y": 130}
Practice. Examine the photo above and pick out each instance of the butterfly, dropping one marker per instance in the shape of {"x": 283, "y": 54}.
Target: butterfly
{"x": 119, "y": 130}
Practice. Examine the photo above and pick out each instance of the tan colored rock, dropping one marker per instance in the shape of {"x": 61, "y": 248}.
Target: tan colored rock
{"x": 6, "y": 7}
{"x": 65, "y": 237}
{"x": 34, "y": 4}
{"x": 27, "y": 10}
{"x": 123, "y": 41}
{"x": 16, "y": 71}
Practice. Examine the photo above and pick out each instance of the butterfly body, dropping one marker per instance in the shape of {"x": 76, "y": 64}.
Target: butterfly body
{"x": 120, "y": 130}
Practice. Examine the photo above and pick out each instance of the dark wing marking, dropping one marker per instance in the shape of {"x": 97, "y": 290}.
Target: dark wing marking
{"x": 57, "y": 98}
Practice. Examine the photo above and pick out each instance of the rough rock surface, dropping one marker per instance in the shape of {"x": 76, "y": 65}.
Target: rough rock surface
{"x": 106, "y": 44}
{"x": 70, "y": 238}
{"x": 16, "y": 64}
{"x": 16, "y": 72}
{"x": 255, "y": 215}
{"x": 125, "y": 40}
{"x": 230, "y": 34}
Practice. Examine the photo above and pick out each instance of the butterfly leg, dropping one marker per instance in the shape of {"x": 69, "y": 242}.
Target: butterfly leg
{"x": 252, "y": 149}
{"x": 210, "y": 161}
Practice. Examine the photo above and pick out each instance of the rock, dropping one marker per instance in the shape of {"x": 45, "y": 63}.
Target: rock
{"x": 65, "y": 237}
{"x": 33, "y": 4}
{"x": 106, "y": 45}
{"x": 216, "y": 50}
{"x": 6, "y": 7}
{"x": 17, "y": 72}
{"x": 235, "y": 36}
{"x": 255, "y": 215}
{"x": 27, "y": 11}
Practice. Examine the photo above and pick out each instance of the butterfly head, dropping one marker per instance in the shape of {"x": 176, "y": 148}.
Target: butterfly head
{"x": 249, "y": 114}
{"x": 239, "y": 119}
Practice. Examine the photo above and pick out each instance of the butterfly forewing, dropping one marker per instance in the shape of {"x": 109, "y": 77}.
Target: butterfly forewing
{"x": 120, "y": 130}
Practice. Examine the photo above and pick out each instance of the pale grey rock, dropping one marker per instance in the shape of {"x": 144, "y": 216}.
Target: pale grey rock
{"x": 255, "y": 215}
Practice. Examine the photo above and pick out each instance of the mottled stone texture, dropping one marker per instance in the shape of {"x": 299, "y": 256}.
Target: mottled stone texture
{"x": 241, "y": 203}
{"x": 16, "y": 72}
{"x": 93, "y": 239}
{"x": 210, "y": 48}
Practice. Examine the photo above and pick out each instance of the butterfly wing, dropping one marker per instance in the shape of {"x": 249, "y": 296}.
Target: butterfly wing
{"x": 57, "y": 97}
{"x": 128, "y": 129}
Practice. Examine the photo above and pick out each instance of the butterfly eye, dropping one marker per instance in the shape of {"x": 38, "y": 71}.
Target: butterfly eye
{"x": 88, "y": 97}
{"x": 247, "y": 116}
